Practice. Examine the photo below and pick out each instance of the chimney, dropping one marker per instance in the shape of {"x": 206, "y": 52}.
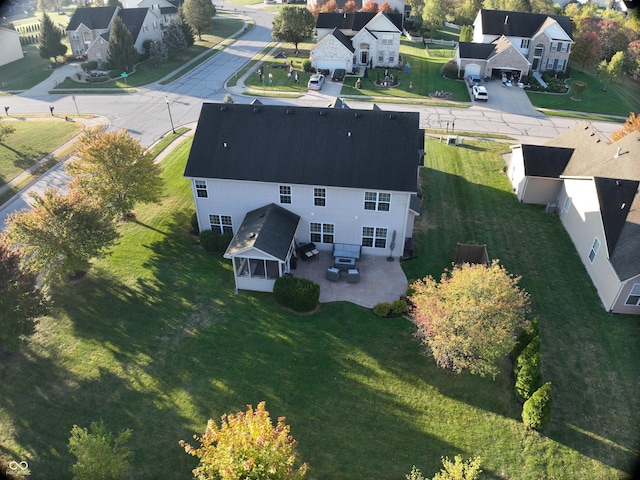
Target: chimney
{"x": 617, "y": 153}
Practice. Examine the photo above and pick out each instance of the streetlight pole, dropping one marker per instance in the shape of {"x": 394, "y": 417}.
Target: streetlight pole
{"x": 166, "y": 99}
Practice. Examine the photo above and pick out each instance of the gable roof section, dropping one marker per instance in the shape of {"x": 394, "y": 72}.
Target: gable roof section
{"x": 340, "y": 37}
{"x": 133, "y": 18}
{"x": 518, "y": 24}
{"x": 615, "y": 197}
{"x": 97, "y": 18}
{"x": 625, "y": 258}
{"x": 544, "y": 161}
{"x": 269, "y": 229}
{"x": 309, "y": 146}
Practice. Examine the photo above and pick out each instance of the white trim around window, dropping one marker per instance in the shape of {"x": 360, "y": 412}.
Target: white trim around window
{"x": 594, "y": 250}
{"x": 221, "y": 223}
{"x": 377, "y": 201}
{"x": 633, "y": 299}
{"x": 319, "y": 197}
{"x": 285, "y": 193}
{"x": 201, "y": 188}
{"x": 374, "y": 237}
{"x": 322, "y": 232}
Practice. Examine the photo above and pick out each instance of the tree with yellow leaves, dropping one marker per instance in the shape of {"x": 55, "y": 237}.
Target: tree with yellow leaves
{"x": 631, "y": 124}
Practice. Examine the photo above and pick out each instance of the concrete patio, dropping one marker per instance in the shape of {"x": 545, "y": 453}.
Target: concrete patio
{"x": 380, "y": 280}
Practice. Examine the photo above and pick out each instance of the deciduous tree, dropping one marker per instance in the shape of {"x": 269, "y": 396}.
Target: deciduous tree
{"x": 586, "y": 50}
{"x": 432, "y": 16}
{"x": 61, "y": 234}
{"x": 113, "y": 167}
{"x": 350, "y": 6}
{"x": 631, "y": 124}
{"x": 385, "y": 7}
{"x": 293, "y": 25}
{"x": 470, "y": 318}
{"x": 466, "y": 33}
{"x": 122, "y": 53}
{"x": 370, "y": 6}
{"x": 21, "y": 301}
{"x": 331, "y": 6}
{"x": 609, "y": 72}
{"x": 99, "y": 455}
{"x": 459, "y": 469}
{"x": 246, "y": 446}
{"x": 50, "y": 45}
{"x": 199, "y": 14}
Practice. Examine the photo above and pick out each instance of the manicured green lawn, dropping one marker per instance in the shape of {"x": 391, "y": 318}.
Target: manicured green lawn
{"x": 154, "y": 339}
{"x": 617, "y": 100}
{"x": 32, "y": 141}
{"x": 26, "y": 72}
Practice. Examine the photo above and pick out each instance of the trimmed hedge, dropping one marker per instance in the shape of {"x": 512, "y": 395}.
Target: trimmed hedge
{"x": 525, "y": 338}
{"x": 528, "y": 376}
{"x": 395, "y": 309}
{"x": 215, "y": 242}
{"x": 536, "y": 412}
{"x": 299, "y": 294}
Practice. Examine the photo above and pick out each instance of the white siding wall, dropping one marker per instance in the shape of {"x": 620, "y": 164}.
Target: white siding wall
{"x": 583, "y": 223}
{"x": 344, "y": 209}
{"x": 516, "y": 171}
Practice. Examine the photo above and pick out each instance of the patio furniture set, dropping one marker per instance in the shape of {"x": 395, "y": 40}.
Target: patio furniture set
{"x": 344, "y": 261}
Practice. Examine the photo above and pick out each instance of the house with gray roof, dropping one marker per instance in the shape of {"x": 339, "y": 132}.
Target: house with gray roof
{"x": 593, "y": 186}
{"x": 516, "y": 43}
{"x": 276, "y": 176}
{"x": 347, "y": 40}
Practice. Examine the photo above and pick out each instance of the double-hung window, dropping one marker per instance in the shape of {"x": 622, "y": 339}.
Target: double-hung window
{"x": 321, "y": 232}
{"x": 634, "y": 296}
{"x": 221, "y": 224}
{"x": 524, "y": 43}
{"x": 374, "y": 237}
{"x": 320, "y": 197}
{"x": 285, "y": 194}
{"x": 377, "y": 201}
{"x": 594, "y": 250}
{"x": 201, "y": 189}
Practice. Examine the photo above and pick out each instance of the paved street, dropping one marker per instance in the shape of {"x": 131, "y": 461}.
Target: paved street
{"x": 145, "y": 115}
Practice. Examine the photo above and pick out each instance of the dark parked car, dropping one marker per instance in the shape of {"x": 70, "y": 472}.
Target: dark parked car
{"x": 338, "y": 74}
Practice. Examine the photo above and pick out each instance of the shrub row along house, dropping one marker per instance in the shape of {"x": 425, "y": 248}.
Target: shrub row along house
{"x": 277, "y": 176}
{"x": 349, "y": 40}
{"x": 594, "y": 185}
{"x": 515, "y": 43}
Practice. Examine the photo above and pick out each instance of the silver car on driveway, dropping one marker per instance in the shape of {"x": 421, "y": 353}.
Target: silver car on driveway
{"x": 316, "y": 81}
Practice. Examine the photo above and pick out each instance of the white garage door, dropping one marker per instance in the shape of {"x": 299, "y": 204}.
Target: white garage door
{"x": 471, "y": 69}
{"x": 332, "y": 64}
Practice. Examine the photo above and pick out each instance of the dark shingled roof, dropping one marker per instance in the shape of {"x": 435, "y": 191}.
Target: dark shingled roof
{"x": 518, "y": 24}
{"x": 354, "y": 21}
{"x": 543, "y": 161}
{"x": 269, "y": 229}
{"x": 309, "y": 146}
{"x": 94, "y": 18}
{"x": 133, "y": 19}
{"x": 475, "y": 50}
{"x": 615, "y": 198}
{"x": 343, "y": 39}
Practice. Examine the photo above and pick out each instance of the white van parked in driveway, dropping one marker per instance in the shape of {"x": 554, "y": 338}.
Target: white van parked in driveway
{"x": 480, "y": 93}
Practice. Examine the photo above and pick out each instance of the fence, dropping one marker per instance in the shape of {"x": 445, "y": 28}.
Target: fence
{"x": 435, "y": 41}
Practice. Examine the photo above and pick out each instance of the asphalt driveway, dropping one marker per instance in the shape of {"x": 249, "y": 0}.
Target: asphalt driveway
{"x": 511, "y": 100}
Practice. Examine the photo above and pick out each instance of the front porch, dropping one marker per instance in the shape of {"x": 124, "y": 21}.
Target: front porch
{"x": 380, "y": 280}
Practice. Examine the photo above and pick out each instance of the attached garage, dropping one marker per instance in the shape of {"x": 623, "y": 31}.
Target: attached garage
{"x": 472, "y": 69}
{"x": 333, "y": 51}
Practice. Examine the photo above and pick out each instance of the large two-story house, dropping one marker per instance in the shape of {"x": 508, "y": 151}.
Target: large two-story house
{"x": 89, "y": 28}
{"x": 276, "y": 176}
{"x": 516, "y": 42}
{"x": 593, "y": 186}
{"x": 347, "y": 40}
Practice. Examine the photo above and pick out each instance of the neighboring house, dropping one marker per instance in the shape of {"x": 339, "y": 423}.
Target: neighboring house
{"x": 515, "y": 42}
{"x": 89, "y": 29}
{"x": 369, "y": 38}
{"x": 397, "y": 6}
{"x": 87, "y": 24}
{"x": 167, "y": 10}
{"x": 10, "y": 47}
{"x": 594, "y": 187}
{"x": 352, "y": 179}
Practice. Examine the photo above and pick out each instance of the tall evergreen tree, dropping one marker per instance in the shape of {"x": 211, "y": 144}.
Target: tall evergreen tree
{"x": 174, "y": 39}
{"x": 50, "y": 40}
{"x": 187, "y": 31}
{"x": 122, "y": 53}
{"x": 199, "y": 14}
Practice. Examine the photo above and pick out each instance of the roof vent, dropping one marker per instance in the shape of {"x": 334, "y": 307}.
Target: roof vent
{"x": 592, "y": 134}
{"x": 618, "y": 152}
{"x": 598, "y": 141}
{"x": 622, "y": 206}
{"x": 392, "y": 117}
{"x": 348, "y": 134}
{"x": 224, "y": 144}
{"x": 253, "y": 235}
{"x": 289, "y": 111}
{"x": 357, "y": 115}
{"x": 618, "y": 182}
{"x": 506, "y": 19}
{"x": 256, "y": 110}
{"x": 586, "y": 127}
{"x": 345, "y": 15}
{"x": 322, "y": 113}
{"x": 223, "y": 108}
